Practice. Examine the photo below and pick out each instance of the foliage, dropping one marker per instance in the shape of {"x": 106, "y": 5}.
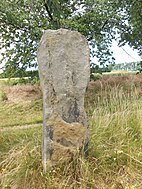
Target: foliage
{"x": 95, "y": 76}
{"x": 101, "y": 69}
{"x": 21, "y": 77}
{"x": 132, "y": 34}
{"x": 23, "y": 22}
{"x": 140, "y": 66}
{"x": 132, "y": 66}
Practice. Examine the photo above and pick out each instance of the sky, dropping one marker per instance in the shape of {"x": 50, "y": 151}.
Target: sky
{"x": 124, "y": 54}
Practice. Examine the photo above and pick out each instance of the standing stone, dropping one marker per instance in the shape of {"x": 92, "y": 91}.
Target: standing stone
{"x": 64, "y": 70}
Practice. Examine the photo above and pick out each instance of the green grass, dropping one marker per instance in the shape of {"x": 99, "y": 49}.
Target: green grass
{"x": 12, "y": 114}
{"x": 116, "y": 140}
{"x": 18, "y": 137}
{"x": 20, "y": 155}
{"x": 115, "y": 148}
{"x": 18, "y": 113}
{"x": 115, "y": 156}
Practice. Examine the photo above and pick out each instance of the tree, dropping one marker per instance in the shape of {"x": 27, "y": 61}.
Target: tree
{"x": 101, "y": 21}
{"x": 132, "y": 33}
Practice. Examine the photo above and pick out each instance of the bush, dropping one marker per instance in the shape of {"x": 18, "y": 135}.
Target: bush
{"x": 3, "y": 96}
{"x": 95, "y": 76}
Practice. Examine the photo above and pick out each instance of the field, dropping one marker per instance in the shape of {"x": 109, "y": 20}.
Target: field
{"x": 20, "y": 104}
{"x": 114, "y": 108}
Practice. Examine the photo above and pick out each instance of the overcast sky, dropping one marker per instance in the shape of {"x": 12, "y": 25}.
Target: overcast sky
{"x": 124, "y": 54}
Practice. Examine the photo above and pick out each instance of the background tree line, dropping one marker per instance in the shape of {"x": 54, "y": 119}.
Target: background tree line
{"x": 132, "y": 66}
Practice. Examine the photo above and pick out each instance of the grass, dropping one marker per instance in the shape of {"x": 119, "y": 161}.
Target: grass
{"x": 12, "y": 114}
{"x": 24, "y": 108}
{"x": 120, "y": 72}
{"x": 115, "y": 150}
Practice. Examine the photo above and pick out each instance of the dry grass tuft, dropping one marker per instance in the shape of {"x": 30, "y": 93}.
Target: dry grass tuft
{"x": 20, "y": 93}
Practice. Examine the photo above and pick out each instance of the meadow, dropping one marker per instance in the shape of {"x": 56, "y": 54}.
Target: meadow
{"x": 114, "y": 109}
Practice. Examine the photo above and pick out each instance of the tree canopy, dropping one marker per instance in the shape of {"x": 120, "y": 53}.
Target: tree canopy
{"x": 101, "y": 21}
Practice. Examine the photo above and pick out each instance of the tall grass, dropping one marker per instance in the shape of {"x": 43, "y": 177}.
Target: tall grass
{"x": 115, "y": 148}
{"x": 21, "y": 164}
{"x": 114, "y": 94}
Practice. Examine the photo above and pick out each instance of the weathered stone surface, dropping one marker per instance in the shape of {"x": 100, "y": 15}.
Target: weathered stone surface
{"x": 67, "y": 139}
{"x": 64, "y": 70}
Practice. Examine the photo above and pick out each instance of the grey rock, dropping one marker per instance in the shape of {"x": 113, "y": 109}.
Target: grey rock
{"x": 64, "y": 69}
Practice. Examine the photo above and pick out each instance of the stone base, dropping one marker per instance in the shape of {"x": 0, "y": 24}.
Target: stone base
{"x": 67, "y": 139}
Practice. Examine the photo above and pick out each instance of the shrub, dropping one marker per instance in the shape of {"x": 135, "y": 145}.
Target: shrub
{"x": 3, "y": 96}
{"x": 95, "y": 76}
